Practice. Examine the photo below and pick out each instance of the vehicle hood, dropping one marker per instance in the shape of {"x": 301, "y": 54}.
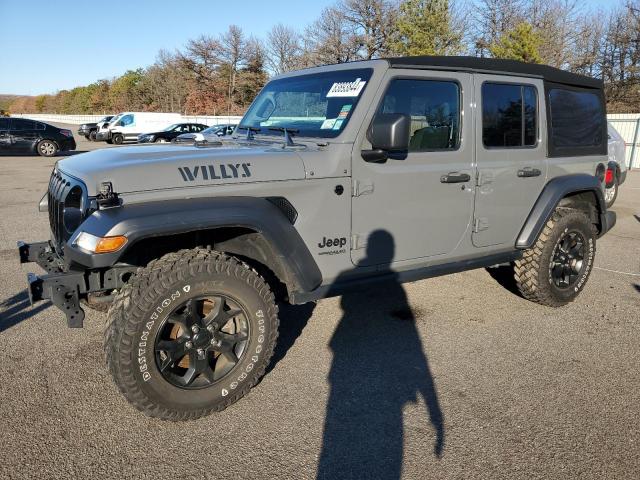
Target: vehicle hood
{"x": 154, "y": 167}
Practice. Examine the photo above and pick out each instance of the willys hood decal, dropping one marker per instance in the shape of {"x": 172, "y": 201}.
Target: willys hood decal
{"x": 141, "y": 168}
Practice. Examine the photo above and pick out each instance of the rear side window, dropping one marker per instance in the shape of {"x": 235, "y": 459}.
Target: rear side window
{"x": 577, "y": 121}
{"x": 434, "y": 107}
{"x": 40, "y": 126}
{"x": 22, "y": 124}
{"x": 509, "y": 115}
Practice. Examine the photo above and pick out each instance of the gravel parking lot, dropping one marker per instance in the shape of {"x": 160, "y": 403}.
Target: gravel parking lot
{"x": 465, "y": 380}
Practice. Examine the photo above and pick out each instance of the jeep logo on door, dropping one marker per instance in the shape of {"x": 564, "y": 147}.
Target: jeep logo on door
{"x": 215, "y": 171}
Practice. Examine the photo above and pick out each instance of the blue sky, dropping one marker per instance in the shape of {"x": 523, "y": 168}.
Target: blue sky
{"x": 49, "y": 45}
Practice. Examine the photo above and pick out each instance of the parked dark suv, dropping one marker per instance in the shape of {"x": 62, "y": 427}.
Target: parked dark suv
{"x": 20, "y": 135}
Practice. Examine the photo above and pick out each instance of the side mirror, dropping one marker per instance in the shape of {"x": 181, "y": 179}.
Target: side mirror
{"x": 389, "y": 136}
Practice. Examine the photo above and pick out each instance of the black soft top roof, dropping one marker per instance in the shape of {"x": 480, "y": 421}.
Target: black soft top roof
{"x": 496, "y": 66}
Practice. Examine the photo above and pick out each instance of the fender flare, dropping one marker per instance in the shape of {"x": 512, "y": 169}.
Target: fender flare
{"x": 275, "y": 237}
{"x": 554, "y": 191}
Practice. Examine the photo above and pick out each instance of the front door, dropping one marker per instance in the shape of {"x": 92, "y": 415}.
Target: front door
{"x": 424, "y": 202}
{"x": 23, "y": 134}
{"x": 5, "y": 138}
{"x": 511, "y": 156}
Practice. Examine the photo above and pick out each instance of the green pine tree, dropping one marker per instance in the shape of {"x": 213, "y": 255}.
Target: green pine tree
{"x": 522, "y": 43}
{"x": 424, "y": 28}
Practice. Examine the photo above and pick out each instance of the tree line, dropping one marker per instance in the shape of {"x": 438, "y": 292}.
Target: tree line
{"x": 220, "y": 75}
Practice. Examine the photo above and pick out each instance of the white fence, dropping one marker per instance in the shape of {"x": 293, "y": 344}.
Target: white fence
{"x": 78, "y": 119}
{"x": 628, "y": 125}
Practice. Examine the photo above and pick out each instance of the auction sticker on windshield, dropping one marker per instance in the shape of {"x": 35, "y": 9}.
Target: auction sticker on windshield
{"x": 346, "y": 89}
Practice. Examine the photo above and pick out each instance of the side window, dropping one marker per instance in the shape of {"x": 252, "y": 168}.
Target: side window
{"x": 126, "y": 120}
{"x": 434, "y": 107}
{"x": 509, "y": 115}
{"x": 19, "y": 124}
{"x": 577, "y": 119}
{"x": 4, "y": 124}
{"x": 40, "y": 126}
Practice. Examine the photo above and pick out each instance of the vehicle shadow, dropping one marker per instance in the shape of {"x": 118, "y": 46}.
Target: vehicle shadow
{"x": 503, "y": 274}
{"x": 379, "y": 366}
{"x": 17, "y": 309}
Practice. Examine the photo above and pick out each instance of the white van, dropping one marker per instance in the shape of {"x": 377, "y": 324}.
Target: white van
{"x": 128, "y": 125}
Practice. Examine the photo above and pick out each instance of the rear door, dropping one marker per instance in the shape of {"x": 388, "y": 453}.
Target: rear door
{"x": 24, "y": 135}
{"x": 410, "y": 199}
{"x": 510, "y": 155}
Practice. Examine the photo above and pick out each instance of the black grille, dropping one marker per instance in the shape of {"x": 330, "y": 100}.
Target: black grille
{"x": 63, "y": 192}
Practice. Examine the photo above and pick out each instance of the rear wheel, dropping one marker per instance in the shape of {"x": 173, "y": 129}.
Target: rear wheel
{"x": 118, "y": 139}
{"x": 190, "y": 334}
{"x": 611, "y": 193}
{"x": 47, "y": 148}
{"x": 556, "y": 269}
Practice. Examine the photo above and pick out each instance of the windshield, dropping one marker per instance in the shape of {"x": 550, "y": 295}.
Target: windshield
{"x": 171, "y": 127}
{"x": 315, "y": 105}
{"x": 213, "y": 129}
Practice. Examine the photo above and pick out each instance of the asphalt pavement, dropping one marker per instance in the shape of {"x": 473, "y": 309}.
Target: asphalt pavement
{"x": 451, "y": 377}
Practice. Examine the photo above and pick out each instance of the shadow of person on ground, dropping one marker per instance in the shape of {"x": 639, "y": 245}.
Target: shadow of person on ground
{"x": 17, "y": 309}
{"x": 378, "y": 368}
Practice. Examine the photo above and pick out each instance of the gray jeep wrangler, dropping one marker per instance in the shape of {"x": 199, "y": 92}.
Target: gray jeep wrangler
{"x": 402, "y": 168}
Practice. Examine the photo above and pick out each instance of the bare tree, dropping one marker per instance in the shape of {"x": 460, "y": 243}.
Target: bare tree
{"x": 372, "y": 23}
{"x": 283, "y": 49}
{"x": 493, "y": 18}
{"x": 233, "y": 54}
{"x": 332, "y": 38}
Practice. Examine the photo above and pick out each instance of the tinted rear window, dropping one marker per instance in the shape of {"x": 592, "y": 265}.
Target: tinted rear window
{"x": 22, "y": 124}
{"x": 577, "y": 121}
{"x": 509, "y": 115}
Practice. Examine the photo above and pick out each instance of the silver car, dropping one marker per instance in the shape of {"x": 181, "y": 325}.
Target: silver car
{"x": 616, "y": 149}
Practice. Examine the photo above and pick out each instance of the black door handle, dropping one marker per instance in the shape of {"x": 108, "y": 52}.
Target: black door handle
{"x": 455, "y": 177}
{"x": 529, "y": 172}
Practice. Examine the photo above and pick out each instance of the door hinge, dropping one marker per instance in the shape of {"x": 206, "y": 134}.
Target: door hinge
{"x": 362, "y": 187}
{"x": 357, "y": 242}
{"x": 480, "y": 224}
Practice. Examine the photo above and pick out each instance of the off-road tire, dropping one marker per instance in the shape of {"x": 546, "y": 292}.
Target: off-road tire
{"x": 139, "y": 311}
{"x": 532, "y": 272}
{"x": 118, "y": 139}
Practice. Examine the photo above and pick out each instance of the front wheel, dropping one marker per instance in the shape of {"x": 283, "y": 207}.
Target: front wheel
{"x": 92, "y": 136}
{"x": 190, "y": 334}
{"x": 556, "y": 269}
{"x": 118, "y": 139}
{"x": 47, "y": 148}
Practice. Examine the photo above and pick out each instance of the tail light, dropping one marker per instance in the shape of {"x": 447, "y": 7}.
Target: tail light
{"x": 66, "y": 133}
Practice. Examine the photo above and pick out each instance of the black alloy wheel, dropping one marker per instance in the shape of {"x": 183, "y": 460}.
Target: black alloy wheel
{"x": 567, "y": 260}
{"x": 201, "y": 341}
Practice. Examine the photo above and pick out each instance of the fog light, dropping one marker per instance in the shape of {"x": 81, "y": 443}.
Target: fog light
{"x": 94, "y": 244}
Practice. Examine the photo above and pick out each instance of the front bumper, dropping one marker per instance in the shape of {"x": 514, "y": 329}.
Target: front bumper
{"x": 622, "y": 177}
{"x": 84, "y": 131}
{"x": 62, "y": 288}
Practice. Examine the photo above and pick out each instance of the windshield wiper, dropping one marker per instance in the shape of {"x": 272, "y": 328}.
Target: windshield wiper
{"x": 250, "y": 131}
{"x": 288, "y": 137}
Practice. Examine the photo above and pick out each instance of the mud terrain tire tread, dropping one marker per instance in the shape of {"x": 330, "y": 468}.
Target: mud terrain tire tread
{"x": 130, "y": 304}
{"x": 527, "y": 270}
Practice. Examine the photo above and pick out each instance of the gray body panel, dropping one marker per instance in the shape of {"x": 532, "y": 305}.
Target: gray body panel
{"x": 431, "y": 222}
